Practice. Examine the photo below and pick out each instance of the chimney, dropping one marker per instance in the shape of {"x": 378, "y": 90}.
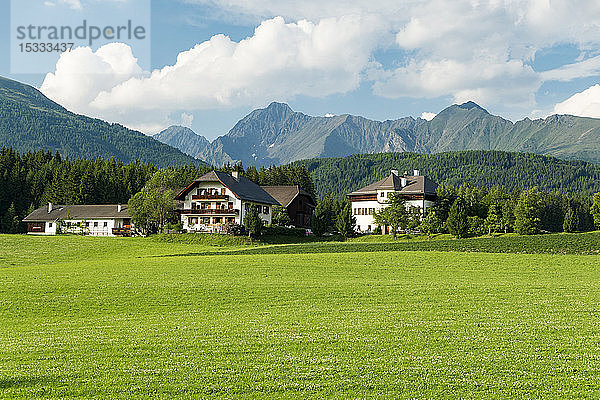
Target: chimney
{"x": 403, "y": 181}
{"x": 235, "y": 174}
{"x": 416, "y": 172}
{"x": 119, "y": 208}
{"x": 395, "y": 172}
{"x": 49, "y": 208}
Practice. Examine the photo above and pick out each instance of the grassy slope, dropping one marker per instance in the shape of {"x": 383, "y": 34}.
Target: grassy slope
{"x": 98, "y": 317}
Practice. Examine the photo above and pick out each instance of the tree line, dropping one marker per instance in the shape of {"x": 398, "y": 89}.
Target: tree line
{"x": 341, "y": 176}
{"x": 30, "y": 180}
{"x": 468, "y": 211}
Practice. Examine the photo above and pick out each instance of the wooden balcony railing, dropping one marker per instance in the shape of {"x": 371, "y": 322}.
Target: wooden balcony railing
{"x": 205, "y": 211}
{"x": 210, "y": 197}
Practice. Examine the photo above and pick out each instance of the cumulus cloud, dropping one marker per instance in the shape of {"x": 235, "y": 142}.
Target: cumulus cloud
{"x": 82, "y": 74}
{"x": 462, "y": 49}
{"x": 281, "y": 60}
{"x": 485, "y": 81}
{"x": 428, "y": 116}
{"x": 583, "y": 104}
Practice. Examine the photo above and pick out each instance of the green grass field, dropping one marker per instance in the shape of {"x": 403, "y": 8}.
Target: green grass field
{"x": 139, "y": 318}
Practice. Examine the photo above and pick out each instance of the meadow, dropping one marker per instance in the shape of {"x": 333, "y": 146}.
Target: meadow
{"x": 174, "y": 317}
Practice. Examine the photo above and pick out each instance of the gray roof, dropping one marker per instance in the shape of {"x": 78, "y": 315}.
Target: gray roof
{"x": 242, "y": 187}
{"x": 105, "y": 211}
{"x": 414, "y": 185}
{"x": 286, "y": 194}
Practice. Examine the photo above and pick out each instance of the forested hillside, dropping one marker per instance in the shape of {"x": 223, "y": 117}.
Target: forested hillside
{"x": 29, "y": 121}
{"x": 479, "y": 168}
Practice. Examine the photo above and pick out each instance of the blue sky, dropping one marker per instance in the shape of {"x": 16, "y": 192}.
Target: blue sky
{"x": 382, "y": 60}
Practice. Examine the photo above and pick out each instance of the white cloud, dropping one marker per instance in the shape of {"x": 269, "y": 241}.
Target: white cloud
{"x": 583, "y": 104}
{"x": 428, "y": 116}
{"x": 329, "y": 115}
{"x": 81, "y": 74}
{"x": 477, "y": 50}
{"x": 581, "y": 69}
{"x": 187, "y": 119}
{"x": 73, "y": 4}
{"x": 49, "y": 4}
{"x": 281, "y": 60}
{"x": 481, "y": 80}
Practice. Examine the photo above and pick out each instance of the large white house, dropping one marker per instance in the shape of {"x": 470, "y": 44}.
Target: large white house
{"x": 93, "y": 220}
{"x": 416, "y": 190}
{"x": 219, "y": 198}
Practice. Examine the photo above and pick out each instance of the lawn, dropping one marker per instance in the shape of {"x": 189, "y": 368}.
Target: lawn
{"x": 139, "y": 318}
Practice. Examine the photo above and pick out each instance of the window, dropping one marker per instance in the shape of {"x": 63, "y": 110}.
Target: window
{"x": 258, "y": 209}
{"x": 230, "y": 205}
{"x": 266, "y": 210}
{"x": 49, "y": 224}
{"x": 87, "y": 224}
{"x": 96, "y": 224}
{"x": 223, "y": 191}
{"x": 105, "y": 224}
{"x": 369, "y": 228}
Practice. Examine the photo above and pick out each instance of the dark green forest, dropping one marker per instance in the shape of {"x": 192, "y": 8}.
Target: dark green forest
{"x": 340, "y": 176}
{"x": 32, "y": 179}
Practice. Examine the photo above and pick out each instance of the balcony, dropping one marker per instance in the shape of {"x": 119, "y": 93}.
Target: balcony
{"x": 210, "y": 197}
{"x": 211, "y": 211}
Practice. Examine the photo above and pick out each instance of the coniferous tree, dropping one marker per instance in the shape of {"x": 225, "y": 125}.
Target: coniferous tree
{"x": 571, "y": 222}
{"x": 458, "y": 223}
{"x": 527, "y": 213}
{"x": 493, "y": 221}
{"x": 595, "y": 209}
{"x": 345, "y": 221}
{"x": 252, "y": 222}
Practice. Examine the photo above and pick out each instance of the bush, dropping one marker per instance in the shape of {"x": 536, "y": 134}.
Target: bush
{"x": 476, "y": 226}
{"x": 233, "y": 229}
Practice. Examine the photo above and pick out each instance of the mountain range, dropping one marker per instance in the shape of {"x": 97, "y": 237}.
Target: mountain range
{"x": 30, "y": 121}
{"x": 279, "y": 135}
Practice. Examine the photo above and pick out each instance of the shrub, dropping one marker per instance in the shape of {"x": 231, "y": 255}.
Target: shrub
{"x": 233, "y": 229}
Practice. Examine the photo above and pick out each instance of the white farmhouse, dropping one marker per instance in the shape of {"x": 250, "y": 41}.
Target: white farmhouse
{"x": 93, "y": 220}
{"x": 218, "y": 198}
{"x": 417, "y": 190}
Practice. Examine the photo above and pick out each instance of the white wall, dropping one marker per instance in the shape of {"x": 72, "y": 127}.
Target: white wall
{"x": 363, "y": 221}
{"x": 100, "y": 230}
{"x": 238, "y": 205}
